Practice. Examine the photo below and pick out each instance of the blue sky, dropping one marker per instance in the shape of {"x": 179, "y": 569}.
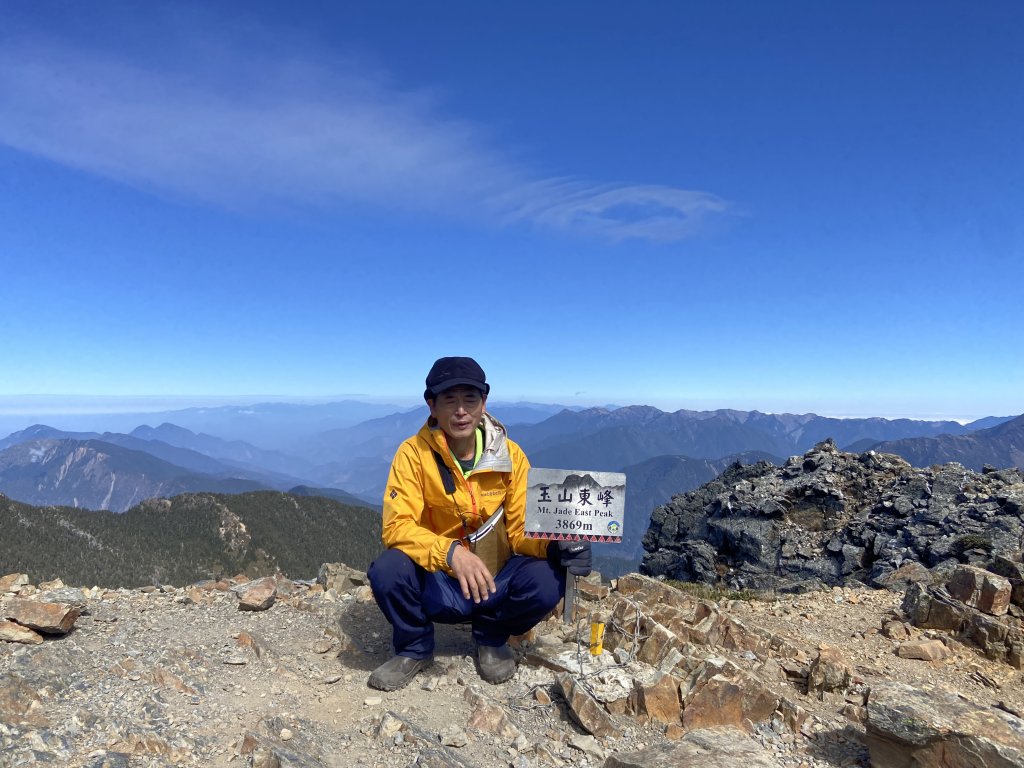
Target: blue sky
{"x": 790, "y": 206}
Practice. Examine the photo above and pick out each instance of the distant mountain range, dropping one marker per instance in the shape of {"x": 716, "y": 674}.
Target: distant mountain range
{"x": 235, "y": 452}
{"x": 381, "y": 436}
{"x": 1000, "y": 446}
{"x": 271, "y": 425}
{"x": 662, "y": 453}
{"x": 42, "y": 465}
{"x": 176, "y": 445}
{"x": 608, "y": 440}
{"x": 97, "y": 475}
{"x": 357, "y": 458}
{"x": 186, "y": 539}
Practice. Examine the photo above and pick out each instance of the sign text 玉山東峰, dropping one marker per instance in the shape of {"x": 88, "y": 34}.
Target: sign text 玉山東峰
{"x": 575, "y": 504}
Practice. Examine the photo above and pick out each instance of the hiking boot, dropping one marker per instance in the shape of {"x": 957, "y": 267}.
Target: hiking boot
{"x": 396, "y": 672}
{"x": 495, "y": 664}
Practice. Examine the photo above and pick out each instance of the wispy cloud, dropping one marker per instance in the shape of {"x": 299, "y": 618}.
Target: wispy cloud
{"x": 241, "y": 132}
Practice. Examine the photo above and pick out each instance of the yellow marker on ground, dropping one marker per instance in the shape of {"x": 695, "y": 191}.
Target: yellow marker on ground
{"x": 596, "y": 638}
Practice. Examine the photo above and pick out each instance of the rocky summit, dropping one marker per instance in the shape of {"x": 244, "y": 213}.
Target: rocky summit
{"x": 830, "y": 518}
{"x": 271, "y": 673}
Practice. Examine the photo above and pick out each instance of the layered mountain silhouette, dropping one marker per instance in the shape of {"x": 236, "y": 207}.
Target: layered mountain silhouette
{"x": 381, "y": 436}
{"x": 269, "y": 425}
{"x": 1000, "y": 446}
{"x": 97, "y": 475}
{"x": 357, "y": 458}
{"x": 608, "y": 440}
{"x": 199, "y": 452}
{"x": 101, "y": 478}
{"x": 234, "y": 452}
{"x": 661, "y": 453}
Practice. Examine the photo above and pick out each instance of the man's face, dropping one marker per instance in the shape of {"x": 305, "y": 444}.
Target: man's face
{"x": 458, "y": 410}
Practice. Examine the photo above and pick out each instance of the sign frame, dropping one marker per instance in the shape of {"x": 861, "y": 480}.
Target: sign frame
{"x": 575, "y": 505}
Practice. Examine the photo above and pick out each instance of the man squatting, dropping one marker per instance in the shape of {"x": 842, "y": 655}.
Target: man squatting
{"x": 429, "y": 572}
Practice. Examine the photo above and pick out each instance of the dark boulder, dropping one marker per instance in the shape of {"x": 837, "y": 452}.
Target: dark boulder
{"x": 829, "y": 517}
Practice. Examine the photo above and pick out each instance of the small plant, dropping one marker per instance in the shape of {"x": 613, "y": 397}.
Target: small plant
{"x": 972, "y": 541}
{"x": 713, "y": 592}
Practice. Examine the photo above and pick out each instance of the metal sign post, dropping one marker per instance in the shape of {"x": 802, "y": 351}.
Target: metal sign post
{"x": 574, "y": 505}
{"x": 569, "y": 602}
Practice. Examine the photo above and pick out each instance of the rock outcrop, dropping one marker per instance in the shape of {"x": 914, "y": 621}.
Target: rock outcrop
{"x": 829, "y": 518}
{"x": 165, "y": 676}
{"x": 972, "y": 607}
{"x": 909, "y": 727}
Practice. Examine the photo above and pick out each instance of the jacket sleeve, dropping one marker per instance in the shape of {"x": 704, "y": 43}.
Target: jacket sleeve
{"x": 404, "y": 526}
{"x": 515, "y": 508}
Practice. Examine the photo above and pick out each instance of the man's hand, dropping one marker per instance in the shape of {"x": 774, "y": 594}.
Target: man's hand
{"x": 575, "y": 557}
{"x": 474, "y": 578}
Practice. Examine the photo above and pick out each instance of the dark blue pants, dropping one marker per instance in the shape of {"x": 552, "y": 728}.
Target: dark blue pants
{"x": 412, "y": 599}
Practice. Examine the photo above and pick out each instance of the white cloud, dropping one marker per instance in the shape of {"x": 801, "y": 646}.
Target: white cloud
{"x": 242, "y": 132}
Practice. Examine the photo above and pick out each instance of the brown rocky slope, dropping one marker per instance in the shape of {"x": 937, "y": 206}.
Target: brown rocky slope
{"x": 271, "y": 673}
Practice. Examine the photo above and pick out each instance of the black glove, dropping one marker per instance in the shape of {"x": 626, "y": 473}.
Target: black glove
{"x": 574, "y": 556}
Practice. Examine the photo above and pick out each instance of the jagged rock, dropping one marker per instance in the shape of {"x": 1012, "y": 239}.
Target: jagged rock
{"x": 658, "y": 699}
{"x": 12, "y": 583}
{"x": 796, "y": 673}
{"x": 285, "y": 588}
{"x": 659, "y": 642}
{"x": 909, "y": 727}
{"x": 254, "y": 643}
{"x": 453, "y": 736}
{"x": 829, "y": 672}
{"x": 15, "y": 633}
{"x": 62, "y": 594}
{"x": 724, "y": 701}
{"x": 904, "y": 576}
{"x": 205, "y": 592}
{"x": 19, "y": 703}
{"x": 491, "y": 718}
{"x": 830, "y": 516}
{"x": 925, "y": 650}
{"x": 268, "y": 752}
{"x": 721, "y": 747}
{"x": 588, "y": 745}
{"x": 980, "y": 589}
{"x": 996, "y": 637}
{"x": 934, "y": 609}
{"x": 590, "y": 591}
{"x": 1012, "y": 569}
{"x": 47, "y": 618}
{"x": 584, "y": 707}
{"x": 522, "y": 743}
{"x": 340, "y": 577}
{"x": 387, "y": 726}
{"x": 432, "y": 753}
{"x": 896, "y": 630}
{"x": 257, "y": 595}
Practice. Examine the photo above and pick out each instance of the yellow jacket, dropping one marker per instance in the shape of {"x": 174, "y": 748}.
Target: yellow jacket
{"x": 422, "y": 520}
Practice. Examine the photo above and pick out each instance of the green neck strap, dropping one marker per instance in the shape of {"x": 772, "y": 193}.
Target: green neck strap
{"x": 468, "y": 465}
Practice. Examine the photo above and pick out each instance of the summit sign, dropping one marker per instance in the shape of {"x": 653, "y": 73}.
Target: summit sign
{"x": 575, "y": 504}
